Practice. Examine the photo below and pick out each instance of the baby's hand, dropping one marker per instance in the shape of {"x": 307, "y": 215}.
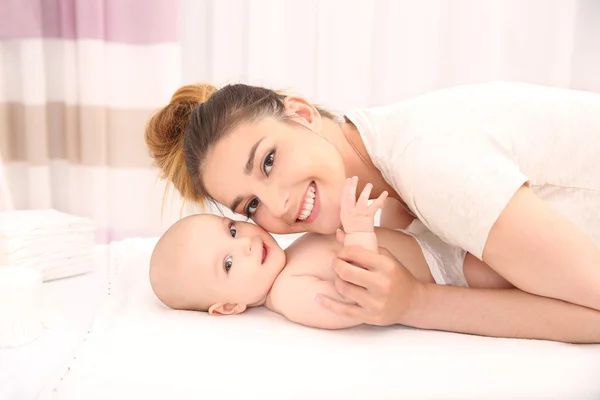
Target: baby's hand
{"x": 358, "y": 215}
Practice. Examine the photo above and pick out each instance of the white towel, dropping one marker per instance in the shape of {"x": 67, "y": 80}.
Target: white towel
{"x": 59, "y": 245}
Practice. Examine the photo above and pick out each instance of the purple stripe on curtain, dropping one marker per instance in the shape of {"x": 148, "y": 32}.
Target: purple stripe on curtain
{"x": 123, "y": 21}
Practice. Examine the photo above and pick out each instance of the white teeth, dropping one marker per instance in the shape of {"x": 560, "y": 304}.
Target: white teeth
{"x": 309, "y": 203}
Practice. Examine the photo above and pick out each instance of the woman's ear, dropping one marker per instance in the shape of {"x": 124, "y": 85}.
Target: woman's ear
{"x": 226, "y": 309}
{"x": 305, "y": 113}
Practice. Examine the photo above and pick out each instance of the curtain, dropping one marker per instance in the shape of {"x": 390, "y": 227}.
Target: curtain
{"x": 78, "y": 81}
{"x": 353, "y": 53}
{"x": 79, "y": 78}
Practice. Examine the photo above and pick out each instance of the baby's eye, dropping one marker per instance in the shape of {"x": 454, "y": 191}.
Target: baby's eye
{"x": 232, "y": 229}
{"x": 228, "y": 263}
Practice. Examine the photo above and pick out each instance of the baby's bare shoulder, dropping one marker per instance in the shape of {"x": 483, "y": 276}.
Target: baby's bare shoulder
{"x": 312, "y": 254}
{"x": 312, "y": 244}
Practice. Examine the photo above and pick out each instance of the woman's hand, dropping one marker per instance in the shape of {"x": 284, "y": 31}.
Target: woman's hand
{"x": 384, "y": 291}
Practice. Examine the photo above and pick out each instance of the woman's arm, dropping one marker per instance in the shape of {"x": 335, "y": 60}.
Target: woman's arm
{"x": 543, "y": 253}
{"x": 469, "y": 191}
{"x": 479, "y": 275}
{"x": 390, "y": 294}
{"x": 509, "y": 313}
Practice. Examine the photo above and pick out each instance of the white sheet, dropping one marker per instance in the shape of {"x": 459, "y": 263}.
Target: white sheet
{"x": 140, "y": 349}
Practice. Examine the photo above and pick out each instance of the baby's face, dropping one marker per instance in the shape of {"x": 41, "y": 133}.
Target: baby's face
{"x": 234, "y": 263}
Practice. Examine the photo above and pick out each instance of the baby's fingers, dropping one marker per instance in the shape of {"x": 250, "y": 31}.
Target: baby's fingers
{"x": 378, "y": 203}
{"x": 349, "y": 195}
{"x": 340, "y": 236}
{"x": 363, "y": 200}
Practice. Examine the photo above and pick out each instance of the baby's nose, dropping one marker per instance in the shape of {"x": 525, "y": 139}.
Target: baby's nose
{"x": 246, "y": 244}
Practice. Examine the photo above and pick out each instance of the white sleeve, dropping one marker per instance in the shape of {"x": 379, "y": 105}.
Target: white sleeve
{"x": 457, "y": 185}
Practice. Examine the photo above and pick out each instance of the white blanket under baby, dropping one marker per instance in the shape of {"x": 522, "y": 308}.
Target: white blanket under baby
{"x": 139, "y": 349}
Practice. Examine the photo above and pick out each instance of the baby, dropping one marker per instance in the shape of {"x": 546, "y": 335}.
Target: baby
{"x": 210, "y": 263}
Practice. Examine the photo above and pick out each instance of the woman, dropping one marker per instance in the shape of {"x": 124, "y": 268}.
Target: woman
{"x": 509, "y": 172}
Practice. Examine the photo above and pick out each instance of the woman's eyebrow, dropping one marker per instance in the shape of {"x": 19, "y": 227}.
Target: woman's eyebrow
{"x": 236, "y": 203}
{"x": 250, "y": 162}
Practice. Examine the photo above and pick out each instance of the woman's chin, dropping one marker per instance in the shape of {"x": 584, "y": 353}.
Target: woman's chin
{"x": 326, "y": 227}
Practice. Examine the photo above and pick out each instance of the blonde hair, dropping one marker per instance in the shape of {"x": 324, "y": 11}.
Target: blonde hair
{"x": 165, "y": 135}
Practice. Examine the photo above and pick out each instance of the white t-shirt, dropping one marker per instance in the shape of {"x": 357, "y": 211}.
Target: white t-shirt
{"x": 445, "y": 262}
{"x": 457, "y": 156}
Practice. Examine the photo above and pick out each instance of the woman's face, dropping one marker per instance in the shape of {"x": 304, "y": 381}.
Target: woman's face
{"x": 282, "y": 175}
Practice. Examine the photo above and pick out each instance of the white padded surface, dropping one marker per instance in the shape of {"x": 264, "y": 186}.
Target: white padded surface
{"x": 21, "y": 306}
{"x": 140, "y": 349}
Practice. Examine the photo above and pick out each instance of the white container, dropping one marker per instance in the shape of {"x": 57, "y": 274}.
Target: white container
{"x": 21, "y": 308}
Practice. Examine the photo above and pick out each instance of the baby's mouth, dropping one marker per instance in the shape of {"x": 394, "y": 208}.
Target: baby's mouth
{"x": 265, "y": 252}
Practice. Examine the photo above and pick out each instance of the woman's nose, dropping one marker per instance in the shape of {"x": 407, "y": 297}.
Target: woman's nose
{"x": 277, "y": 201}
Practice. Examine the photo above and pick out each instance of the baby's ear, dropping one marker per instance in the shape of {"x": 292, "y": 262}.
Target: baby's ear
{"x": 226, "y": 309}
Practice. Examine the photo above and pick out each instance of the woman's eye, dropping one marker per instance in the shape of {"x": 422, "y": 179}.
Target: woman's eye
{"x": 228, "y": 263}
{"x": 251, "y": 207}
{"x": 268, "y": 162}
{"x": 232, "y": 230}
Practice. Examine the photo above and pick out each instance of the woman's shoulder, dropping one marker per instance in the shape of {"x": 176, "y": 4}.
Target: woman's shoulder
{"x": 387, "y": 130}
